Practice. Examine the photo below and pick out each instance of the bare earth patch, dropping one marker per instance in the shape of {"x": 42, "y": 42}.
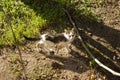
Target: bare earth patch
{"x": 60, "y": 66}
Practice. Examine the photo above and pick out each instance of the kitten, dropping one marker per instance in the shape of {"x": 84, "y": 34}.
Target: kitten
{"x": 51, "y": 43}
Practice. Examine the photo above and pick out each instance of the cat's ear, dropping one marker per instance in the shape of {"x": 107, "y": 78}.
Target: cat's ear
{"x": 66, "y": 31}
{"x": 73, "y": 29}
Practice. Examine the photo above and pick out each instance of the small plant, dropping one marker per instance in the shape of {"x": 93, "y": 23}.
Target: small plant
{"x": 41, "y": 73}
{"x": 15, "y": 67}
{"x": 92, "y": 63}
{"x": 13, "y": 59}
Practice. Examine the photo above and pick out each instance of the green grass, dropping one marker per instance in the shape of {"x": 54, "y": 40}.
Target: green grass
{"x": 23, "y": 20}
{"x": 28, "y": 17}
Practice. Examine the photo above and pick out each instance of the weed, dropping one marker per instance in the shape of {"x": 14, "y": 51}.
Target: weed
{"x": 15, "y": 67}
{"x": 44, "y": 73}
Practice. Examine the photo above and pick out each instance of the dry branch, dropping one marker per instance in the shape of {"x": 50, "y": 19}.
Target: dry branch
{"x": 88, "y": 51}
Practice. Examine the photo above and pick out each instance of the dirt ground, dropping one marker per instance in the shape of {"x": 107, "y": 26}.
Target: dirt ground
{"x": 103, "y": 38}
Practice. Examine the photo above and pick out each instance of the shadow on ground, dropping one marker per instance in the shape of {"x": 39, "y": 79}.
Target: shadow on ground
{"x": 111, "y": 36}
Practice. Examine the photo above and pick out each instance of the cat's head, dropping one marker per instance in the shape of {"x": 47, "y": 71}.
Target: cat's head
{"x": 69, "y": 34}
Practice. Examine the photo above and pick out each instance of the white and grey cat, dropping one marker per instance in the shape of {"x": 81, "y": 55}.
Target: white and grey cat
{"x": 50, "y": 43}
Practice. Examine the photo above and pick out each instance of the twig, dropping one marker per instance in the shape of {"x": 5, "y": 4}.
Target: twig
{"x": 88, "y": 51}
{"x": 19, "y": 53}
